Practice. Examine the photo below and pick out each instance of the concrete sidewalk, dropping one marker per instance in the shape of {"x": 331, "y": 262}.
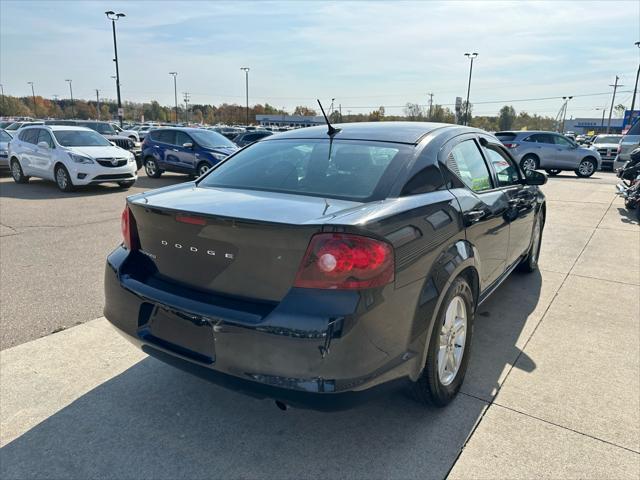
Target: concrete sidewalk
{"x": 553, "y": 389}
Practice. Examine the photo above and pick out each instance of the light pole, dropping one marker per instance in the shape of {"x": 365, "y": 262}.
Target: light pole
{"x": 564, "y": 111}
{"x": 472, "y": 57}
{"x": 33, "y": 95}
{"x": 246, "y": 79}
{"x": 114, "y": 17}
{"x": 175, "y": 91}
{"x": 635, "y": 89}
{"x": 604, "y": 110}
{"x": 2, "y": 93}
{"x": 73, "y": 112}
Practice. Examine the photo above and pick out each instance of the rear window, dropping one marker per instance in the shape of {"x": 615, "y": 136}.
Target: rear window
{"x": 635, "y": 130}
{"x": 506, "y": 136}
{"x": 352, "y": 170}
{"x": 29, "y": 135}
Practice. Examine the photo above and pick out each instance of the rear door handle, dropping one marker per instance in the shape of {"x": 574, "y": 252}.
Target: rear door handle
{"x": 473, "y": 216}
{"x": 175, "y": 149}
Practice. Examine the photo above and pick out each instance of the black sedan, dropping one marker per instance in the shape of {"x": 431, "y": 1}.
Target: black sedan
{"x": 247, "y": 138}
{"x": 317, "y": 267}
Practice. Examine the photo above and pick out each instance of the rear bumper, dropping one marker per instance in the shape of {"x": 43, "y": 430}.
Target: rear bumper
{"x": 315, "y": 349}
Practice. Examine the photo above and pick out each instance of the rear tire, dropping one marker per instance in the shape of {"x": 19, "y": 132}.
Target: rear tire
{"x": 203, "y": 167}
{"x": 553, "y": 171}
{"x": 126, "y": 184}
{"x": 586, "y": 168}
{"x": 63, "y": 179}
{"x": 438, "y": 384}
{"x": 529, "y": 162}
{"x": 529, "y": 264}
{"x": 151, "y": 168}
{"x": 17, "y": 173}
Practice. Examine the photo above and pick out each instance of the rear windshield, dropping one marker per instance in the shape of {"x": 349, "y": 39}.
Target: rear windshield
{"x": 635, "y": 130}
{"x": 352, "y": 170}
{"x": 505, "y": 136}
{"x": 209, "y": 139}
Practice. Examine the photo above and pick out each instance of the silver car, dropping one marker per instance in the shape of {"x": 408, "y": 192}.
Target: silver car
{"x": 607, "y": 147}
{"x": 5, "y": 138}
{"x": 629, "y": 141}
{"x": 550, "y": 151}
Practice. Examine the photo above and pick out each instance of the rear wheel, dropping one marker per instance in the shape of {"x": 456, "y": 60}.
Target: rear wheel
{"x": 553, "y": 171}
{"x": 17, "y": 173}
{"x": 529, "y": 264}
{"x": 529, "y": 162}
{"x": 448, "y": 353}
{"x": 63, "y": 179}
{"x": 586, "y": 168}
{"x": 151, "y": 168}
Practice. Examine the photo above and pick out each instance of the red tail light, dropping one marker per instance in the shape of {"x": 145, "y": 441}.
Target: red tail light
{"x": 345, "y": 262}
{"x": 129, "y": 230}
{"x": 511, "y": 145}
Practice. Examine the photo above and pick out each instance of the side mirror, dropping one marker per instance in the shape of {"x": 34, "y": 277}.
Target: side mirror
{"x": 533, "y": 177}
{"x": 43, "y": 145}
{"x": 187, "y": 145}
{"x": 113, "y": 143}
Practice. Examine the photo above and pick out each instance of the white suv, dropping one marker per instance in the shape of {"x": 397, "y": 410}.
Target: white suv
{"x": 71, "y": 156}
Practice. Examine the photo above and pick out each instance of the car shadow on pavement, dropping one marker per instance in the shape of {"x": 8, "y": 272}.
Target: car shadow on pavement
{"x": 629, "y": 216}
{"x": 38, "y": 189}
{"x": 153, "y": 421}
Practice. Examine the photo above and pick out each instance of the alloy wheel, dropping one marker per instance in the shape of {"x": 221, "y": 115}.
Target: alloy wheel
{"x": 61, "y": 178}
{"x": 150, "y": 168}
{"x": 586, "y": 167}
{"x": 528, "y": 164}
{"x": 16, "y": 171}
{"x": 203, "y": 169}
{"x": 452, "y": 340}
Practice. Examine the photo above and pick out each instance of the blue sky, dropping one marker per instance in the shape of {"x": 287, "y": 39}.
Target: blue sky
{"x": 364, "y": 54}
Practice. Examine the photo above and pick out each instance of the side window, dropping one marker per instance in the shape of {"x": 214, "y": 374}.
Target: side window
{"x": 558, "y": 140}
{"x": 251, "y": 137}
{"x": 506, "y": 172}
{"x": 466, "y": 161}
{"x": 164, "y": 136}
{"x": 30, "y": 135}
{"x": 44, "y": 136}
{"x": 425, "y": 181}
{"x": 182, "y": 138}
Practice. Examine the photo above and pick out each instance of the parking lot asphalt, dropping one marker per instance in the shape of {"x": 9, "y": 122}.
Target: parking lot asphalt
{"x": 553, "y": 389}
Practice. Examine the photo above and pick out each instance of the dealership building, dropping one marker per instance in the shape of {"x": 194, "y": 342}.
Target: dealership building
{"x": 596, "y": 125}
{"x": 276, "y": 120}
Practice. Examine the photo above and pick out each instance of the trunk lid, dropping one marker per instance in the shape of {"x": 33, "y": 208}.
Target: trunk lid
{"x": 235, "y": 242}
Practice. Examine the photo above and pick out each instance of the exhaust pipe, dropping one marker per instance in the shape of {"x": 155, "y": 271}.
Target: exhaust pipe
{"x": 282, "y": 406}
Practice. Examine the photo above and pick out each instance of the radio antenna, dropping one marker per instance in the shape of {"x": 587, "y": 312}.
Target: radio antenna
{"x": 331, "y": 129}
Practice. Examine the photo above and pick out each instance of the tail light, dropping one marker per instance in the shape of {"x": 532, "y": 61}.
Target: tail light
{"x": 129, "y": 230}
{"x": 511, "y": 145}
{"x": 345, "y": 262}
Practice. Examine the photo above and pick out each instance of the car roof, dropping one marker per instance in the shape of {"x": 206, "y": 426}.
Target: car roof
{"x": 54, "y": 128}
{"x": 395, "y": 132}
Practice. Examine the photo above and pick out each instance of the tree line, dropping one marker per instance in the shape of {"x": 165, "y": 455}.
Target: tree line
{"x": 506, "y": 119}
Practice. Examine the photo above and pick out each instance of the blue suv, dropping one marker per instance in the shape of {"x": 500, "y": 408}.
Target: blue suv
{"x": 184, "y": 150}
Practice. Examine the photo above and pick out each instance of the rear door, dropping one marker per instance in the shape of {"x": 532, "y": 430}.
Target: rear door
{"x": 162, "y": 141}
{"x": 42, "y": 156}
{"x": 521, "y": 199}
{"x": 483, "y": 206}
{"x": 28, "y": 139}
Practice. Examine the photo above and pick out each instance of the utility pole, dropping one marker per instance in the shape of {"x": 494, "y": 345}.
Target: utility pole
{"x": 33, "y": 95}
{"x": 635, "y": 89}
{"x": 246, "y": 77}
{"x": 340, "y": 108}
{"x": 430, "y": 104}
{"x": 331, "y": 107}
{"x": 98, "y": 102}
{"x": 2, "y": 93}
{"x": 472, "y": 57}
{"x": 73, "y": 112}
{"x": 115, "y": 17}
{"x": 564, "y": 112}
{"x": 175, "y": 91}
{"x": 186, "y": 106}
{"x": 613, "y": 99}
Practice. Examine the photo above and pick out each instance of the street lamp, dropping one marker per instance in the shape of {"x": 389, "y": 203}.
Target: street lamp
{"x": 115, "y": 17}
{"x": 564, "y": 112}
{"x": 246, "y": 77}
{"x": 33, "y": 95}
{"x": 472, "y": 57}
{"x": 635, "y": 89}
{"x": 604, "y": 109}
{"x": 2, "y": 93}
{"x": 175, "y": 91}
{"x": 73, "y": 112}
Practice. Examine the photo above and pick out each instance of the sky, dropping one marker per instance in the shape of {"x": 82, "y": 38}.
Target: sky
{"x": 364, "y": 54}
